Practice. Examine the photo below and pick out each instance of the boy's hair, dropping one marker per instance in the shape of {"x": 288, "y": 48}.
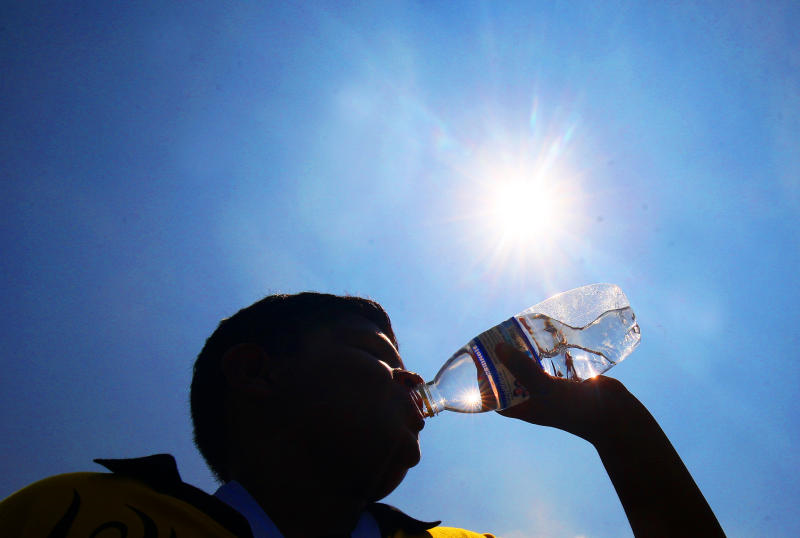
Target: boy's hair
{"x": 278, "y": 324}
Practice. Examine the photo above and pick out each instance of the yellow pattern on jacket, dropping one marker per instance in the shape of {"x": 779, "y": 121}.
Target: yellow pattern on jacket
{"x": 443, "y": 532}
{"x": 87, "y": 504}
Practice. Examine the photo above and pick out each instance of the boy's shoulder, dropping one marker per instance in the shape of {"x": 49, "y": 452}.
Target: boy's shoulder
{"x": 87, "y": 503}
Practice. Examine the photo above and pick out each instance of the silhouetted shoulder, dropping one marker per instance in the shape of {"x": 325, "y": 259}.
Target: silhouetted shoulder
{"x": 86, "y": 504}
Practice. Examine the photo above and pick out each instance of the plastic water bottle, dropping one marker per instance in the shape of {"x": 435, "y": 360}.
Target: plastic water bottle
{"x": 576, "y": 335}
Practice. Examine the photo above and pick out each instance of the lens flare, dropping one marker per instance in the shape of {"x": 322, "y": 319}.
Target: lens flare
{"x": 472, "y": 399}
{"x": 533, "y": 215}
{"x": 520, "y": 201}
{"x": 520, "y": 206}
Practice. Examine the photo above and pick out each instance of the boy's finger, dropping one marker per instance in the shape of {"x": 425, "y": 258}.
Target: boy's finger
{"x": 522, "y": 367}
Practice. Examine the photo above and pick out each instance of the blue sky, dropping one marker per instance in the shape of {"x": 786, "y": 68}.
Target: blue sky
{"x": 164, "y": 165}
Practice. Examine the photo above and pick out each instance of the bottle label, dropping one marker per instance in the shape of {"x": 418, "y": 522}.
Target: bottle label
{"x": 494, "y": 379}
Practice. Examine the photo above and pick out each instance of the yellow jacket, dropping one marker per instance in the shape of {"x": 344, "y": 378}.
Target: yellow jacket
{"x": 146, "y": 498}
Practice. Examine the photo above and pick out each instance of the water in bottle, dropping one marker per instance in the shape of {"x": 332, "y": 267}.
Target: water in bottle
{"x": 576, "y": 335}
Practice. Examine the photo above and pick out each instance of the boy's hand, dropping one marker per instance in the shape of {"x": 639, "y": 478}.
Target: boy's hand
{"x": 585, "y": 409}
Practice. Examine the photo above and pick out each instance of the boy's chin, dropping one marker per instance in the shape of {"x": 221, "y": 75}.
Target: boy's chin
{"x": 389, "y": 485}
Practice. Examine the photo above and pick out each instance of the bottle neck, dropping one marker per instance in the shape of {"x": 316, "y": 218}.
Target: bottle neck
{"x": 428, "y": 400}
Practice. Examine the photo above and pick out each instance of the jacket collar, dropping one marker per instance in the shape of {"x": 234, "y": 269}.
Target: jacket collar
{"x": 160, "y": 472}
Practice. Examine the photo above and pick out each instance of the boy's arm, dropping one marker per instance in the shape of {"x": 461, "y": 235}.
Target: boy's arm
{"x": 658, "y": 494}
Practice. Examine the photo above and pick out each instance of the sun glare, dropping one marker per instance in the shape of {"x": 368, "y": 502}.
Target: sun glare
{"x": 523, "y": 204}
{"x": 526, "y": 209}
{"x": 472, "y": 399}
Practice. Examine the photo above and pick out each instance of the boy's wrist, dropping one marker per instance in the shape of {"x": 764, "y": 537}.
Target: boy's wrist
{"x": 618, "y": 414}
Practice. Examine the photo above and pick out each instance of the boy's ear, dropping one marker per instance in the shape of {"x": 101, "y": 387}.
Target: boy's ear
{"x": 248, "y": 369}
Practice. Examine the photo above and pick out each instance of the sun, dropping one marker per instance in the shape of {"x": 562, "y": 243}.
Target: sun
{"x": 532, "y": 211}
{"x": 527, "y": 209}
{"x": 523, "y": 204}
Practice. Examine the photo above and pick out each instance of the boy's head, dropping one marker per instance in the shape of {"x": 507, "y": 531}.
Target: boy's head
{"x": 311, "y": 379}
